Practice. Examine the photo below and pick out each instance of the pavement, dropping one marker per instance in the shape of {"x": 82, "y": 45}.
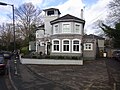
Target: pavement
{"x": 93, "y": 75}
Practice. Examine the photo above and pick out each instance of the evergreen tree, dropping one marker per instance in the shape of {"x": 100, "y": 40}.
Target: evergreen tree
{"x": 113, "y": 33}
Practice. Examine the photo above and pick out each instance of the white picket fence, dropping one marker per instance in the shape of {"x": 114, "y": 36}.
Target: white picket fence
{"x": 51, "y": 61}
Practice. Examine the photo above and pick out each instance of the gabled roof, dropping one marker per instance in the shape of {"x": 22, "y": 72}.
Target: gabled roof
{"x": 51, "y": 9}
{"x": 40, "y": 27}
{"x": 91, "y": 36}
{"x": 68, "y": 18}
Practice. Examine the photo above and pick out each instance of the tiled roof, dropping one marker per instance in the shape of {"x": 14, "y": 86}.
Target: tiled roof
{"x": 91, "y": 36}
{"x": 68, "y": 18}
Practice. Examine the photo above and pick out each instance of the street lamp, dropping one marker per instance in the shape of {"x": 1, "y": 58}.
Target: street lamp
{"x": 5, "y": 4}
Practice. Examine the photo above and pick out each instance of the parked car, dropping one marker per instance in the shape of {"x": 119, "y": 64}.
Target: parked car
{"x": 3, "y": 64}
{"x": 6, "y": 54}
{"x": 116, "y": 55}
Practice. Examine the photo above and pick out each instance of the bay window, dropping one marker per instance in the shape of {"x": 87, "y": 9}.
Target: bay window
{"x": 66, "y": 28}
{"x": 66, "y": 45}
{"x": 76, "y": 45}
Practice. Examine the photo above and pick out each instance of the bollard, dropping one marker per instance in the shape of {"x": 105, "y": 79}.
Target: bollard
{"x": 15, "y": 64}
{"x": 114, "y": 86}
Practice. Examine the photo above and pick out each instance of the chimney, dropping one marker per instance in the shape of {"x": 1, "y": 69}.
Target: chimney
{"x": 81, "y": 13}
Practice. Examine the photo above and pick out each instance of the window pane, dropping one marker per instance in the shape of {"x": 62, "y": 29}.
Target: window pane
{"x": 76, "y": 48}
{"x": 54, "y": 47}
{"x": 57, "y": 47}
{"x": 56, "y": 28}
{"x": 67, "y": 48}
{"x": 77, "y": 28}
{"x": 88, "y": 46}
{"x": 64, "y": 47}
{"x": 76, "y": 42}
{"x": 56, "y": 42}
{"x": 66, "y": 42}
{"x": 66, "y": 28}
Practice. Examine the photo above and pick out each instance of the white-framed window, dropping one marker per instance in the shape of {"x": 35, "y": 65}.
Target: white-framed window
{"x": 77, "y": 28}
{"x": 56, "y": 28}
{"x": 66, "y": 28}
{"x": 66, "y": 45}
{"x": 56, "y": 45}
{"x": 76, "y": 45}
{"x": 88, "y": 46}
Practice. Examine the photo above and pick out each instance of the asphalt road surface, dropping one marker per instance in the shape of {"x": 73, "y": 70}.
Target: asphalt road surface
{"x": 5, "y": 83}
{"x": 28, "y": 80}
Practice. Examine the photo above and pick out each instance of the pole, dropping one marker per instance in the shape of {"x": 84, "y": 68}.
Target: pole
{"x": 15, "y": 61}
{"x": 14, "y": 27}
{"x": 44, "y": 41}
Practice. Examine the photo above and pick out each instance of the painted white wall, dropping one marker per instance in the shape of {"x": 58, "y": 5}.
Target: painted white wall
{"x": 39, "y": 33}
{"x": 48, "y": 26}
{"x": 51, "y": 62}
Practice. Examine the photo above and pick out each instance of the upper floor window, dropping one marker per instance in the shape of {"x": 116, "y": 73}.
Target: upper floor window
{"x": 66, "y": 28}
{"x": 77, "y": 29}
{"x": 88, "y": 46}
{"x": 56, "y": 29}
{"x": 66, "y": 45}
{"x": 56, "y": 45}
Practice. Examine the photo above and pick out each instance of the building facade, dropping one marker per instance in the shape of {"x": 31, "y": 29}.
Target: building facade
{"x": 63, "y": 36}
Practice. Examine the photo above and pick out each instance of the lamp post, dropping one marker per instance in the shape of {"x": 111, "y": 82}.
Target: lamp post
{"x": 5, "y": 4}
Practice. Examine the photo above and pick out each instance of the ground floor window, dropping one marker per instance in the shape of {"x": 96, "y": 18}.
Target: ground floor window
{"x": 56, "y": 45}
{"x": 88, "y": 46}
{"x": 66, "y": 45}
{"x": 76, "y": 45}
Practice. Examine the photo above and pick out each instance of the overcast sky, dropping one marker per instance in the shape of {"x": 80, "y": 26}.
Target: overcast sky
{"x": 94, "y": 9}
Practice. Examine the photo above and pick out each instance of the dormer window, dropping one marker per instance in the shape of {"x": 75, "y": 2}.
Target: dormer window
{"x": 49, "y": 13}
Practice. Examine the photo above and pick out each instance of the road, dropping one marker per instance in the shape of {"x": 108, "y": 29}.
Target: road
{"x": 113, "y": 68}
{"x": 28, "y": 80}
{"x": 101, "y": 74}
{"x": 5, "y": 83}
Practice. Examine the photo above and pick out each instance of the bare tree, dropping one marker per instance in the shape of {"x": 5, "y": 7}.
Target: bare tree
{"x": 27, "y": 16}
{"x": 114, "y": 14}
{"x": 6, "y": 35}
